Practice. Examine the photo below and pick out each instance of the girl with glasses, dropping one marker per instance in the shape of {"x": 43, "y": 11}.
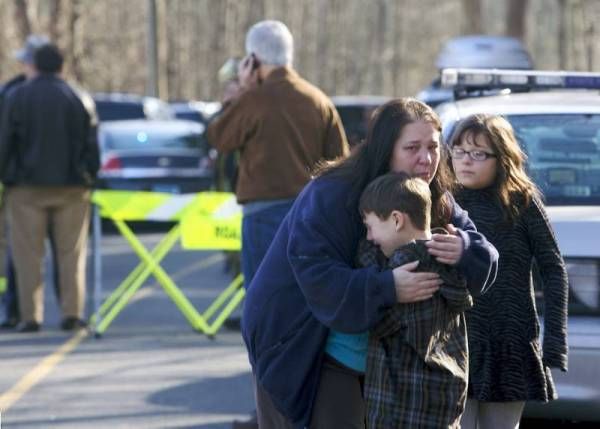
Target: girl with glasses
{"x": 507, "y": 363}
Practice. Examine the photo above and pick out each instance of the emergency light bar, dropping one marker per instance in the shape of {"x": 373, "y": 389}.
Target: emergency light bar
{"x": 468, "y": 80}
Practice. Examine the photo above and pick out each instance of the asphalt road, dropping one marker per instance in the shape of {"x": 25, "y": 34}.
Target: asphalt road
{"x": 149, "y": 369}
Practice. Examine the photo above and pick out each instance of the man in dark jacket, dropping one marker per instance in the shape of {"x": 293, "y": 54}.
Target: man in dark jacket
{"x": 48, "y": 160}
{"x": 7, "y": 270}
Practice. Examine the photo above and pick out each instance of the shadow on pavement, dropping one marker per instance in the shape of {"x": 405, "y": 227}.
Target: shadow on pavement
{"x": 224, "y": 396}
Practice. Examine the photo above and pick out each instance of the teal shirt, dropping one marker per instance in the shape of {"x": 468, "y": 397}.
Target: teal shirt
{"x": 348, "y": 349}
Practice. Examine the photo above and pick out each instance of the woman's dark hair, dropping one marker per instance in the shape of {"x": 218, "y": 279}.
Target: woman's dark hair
{"x": 512, "y": 184}
{"x": 48, "y": 59}
{"x": 372, "y": 158}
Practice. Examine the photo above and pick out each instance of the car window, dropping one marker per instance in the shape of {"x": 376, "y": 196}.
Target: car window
{"x": 563, "y": 158}
{"x": 584, "y": 286}
{"x": 190, "y": 115}
{"x": 112, "y": 111}
{"x": 355, "y": 120}
{"x": 563, "y": 153}
{"x": 143, "y": 140}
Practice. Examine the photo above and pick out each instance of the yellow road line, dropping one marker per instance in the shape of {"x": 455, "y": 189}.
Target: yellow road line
{"x": 46, "y": 365}
{"x": 40, "y": 371}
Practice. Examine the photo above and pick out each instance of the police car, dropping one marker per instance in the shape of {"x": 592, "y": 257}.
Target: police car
{"x": 556, "y": 118}
{"x": 475, "y": 51}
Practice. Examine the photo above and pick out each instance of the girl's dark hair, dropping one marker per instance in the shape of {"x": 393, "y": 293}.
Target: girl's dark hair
{"x": 512, "y": 183}
{"x": 372, "y": 158}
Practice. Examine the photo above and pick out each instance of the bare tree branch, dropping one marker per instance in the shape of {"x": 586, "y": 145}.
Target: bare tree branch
{"x": 472, "y": 16}
{"x": 56, "y": 8}
{"x": 562, "y": 34}
{"x": 516, "y": 12}
{"x": 22, "y": 23}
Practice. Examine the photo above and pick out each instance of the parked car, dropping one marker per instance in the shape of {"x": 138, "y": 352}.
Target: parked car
{"x": 161, "y": 156}
{"x": 556, "y": 118}
{"x": 119, "y": 106}
{"x": 475, "y": 51}
{"x": 198, "y": 111}
{"x": 355, "y": 112}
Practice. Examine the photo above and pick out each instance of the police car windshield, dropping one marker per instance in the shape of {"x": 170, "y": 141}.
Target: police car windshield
{"x": 563, "y": 153}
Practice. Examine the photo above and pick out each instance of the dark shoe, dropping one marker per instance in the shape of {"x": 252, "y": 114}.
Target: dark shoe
{"x": 30, "y": 326}
{"x": 9, "y": 323}
{"x": 71, "y": 323}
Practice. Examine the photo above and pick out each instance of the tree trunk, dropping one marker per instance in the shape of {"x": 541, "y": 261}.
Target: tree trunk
{"x": 56, "y": 9}
{"x": 562, "y": 34}
{"x": 22, "y": 22}
{"x": 379, "y": 47}
{"x": 72, "y": 58}
{"x": 515, "y": 18}
{"x": 151, "y": 50}
{"x": 472, "y": 15}
{"x": 322, "y": 52}
{"x": 163, "y": 50}
{"x": 590, "y": 36}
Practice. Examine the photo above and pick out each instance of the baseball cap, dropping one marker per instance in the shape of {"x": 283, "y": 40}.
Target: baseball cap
{"x": 32, "y": 43}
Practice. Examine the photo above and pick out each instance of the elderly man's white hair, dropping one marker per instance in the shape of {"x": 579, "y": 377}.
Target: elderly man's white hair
{"x": 271, "y": 42}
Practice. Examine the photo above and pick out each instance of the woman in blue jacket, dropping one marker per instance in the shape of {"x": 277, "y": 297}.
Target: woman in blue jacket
{"x": 308, "y": 289}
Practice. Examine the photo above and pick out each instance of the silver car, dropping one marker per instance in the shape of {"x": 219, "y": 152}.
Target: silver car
{"x": 115, "y": 106}
{"x": 559, "y": 129}
{"x": 162, "y": 156}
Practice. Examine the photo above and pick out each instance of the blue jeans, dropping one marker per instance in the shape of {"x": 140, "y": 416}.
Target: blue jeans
{"x": 258, "y": 231}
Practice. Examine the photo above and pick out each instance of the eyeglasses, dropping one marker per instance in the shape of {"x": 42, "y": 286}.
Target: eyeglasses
{"x": 475, "y": 155}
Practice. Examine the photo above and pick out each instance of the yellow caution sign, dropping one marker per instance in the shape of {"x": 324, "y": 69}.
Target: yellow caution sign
{"x": 138, "y": 205}
{"x": 213, "y": 221}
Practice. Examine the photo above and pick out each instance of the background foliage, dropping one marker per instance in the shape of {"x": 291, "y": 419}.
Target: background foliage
{"x": 385, "y": 47}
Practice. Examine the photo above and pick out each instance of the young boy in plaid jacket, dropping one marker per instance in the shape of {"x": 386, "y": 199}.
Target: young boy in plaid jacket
{"x": 417, "y": 362}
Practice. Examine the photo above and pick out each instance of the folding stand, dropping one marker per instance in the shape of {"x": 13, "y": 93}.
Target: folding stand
{"x": 122, "y": 206}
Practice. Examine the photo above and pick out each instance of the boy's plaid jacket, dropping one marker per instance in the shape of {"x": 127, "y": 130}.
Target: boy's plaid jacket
{"x": 417, "y": 364}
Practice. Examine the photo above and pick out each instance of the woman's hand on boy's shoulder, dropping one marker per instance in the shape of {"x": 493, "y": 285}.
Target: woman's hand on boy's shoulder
{"x": 447, "y": 248}
{"x": 413, "y": 287}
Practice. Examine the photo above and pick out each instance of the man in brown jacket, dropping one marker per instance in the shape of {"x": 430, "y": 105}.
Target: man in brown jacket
{"x": 282, "y": 127}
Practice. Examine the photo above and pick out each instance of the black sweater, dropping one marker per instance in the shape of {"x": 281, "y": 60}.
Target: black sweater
{"x": 48, "y": 137}
{"x": 507, "y": 362}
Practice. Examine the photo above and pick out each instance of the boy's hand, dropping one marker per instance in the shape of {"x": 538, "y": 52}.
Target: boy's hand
{"x": 447, "y": 248}
{"x": 413, "y": 287}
